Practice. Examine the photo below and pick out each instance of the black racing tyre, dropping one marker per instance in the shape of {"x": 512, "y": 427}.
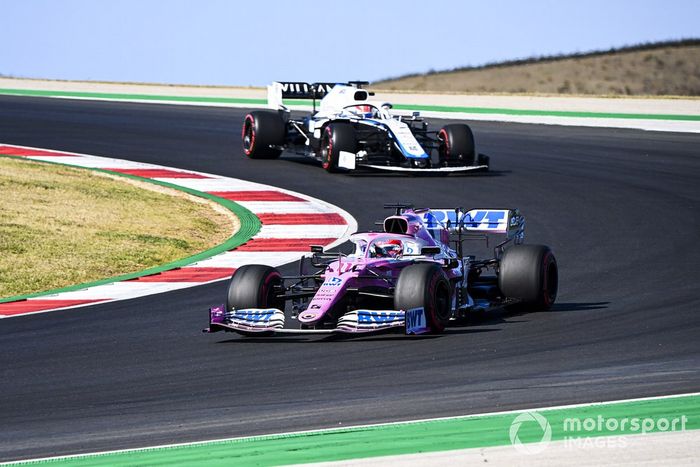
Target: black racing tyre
{"x": 336, "y": 137}
{"x": 530, "y": 274}
{"x": 261, "y": 130}
{"x": 425, "y": 285}
{"x": 253, "y": 286}
{"x": 456, "y": 145}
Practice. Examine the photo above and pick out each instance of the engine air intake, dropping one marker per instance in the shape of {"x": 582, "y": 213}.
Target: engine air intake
{"x": 395, "y": 225}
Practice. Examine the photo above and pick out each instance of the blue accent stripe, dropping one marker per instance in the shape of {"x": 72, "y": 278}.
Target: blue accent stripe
{"x": 405, "y": 153}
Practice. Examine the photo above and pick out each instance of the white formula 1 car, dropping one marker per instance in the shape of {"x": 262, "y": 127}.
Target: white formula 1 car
{"x": 349, "y": 130}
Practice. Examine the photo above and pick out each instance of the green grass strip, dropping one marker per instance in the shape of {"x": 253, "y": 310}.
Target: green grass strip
{"x": 301, "y": 102}
{"x": 404, "y": 438}
{"x": 250, "y": 225}
{"x": 130, "y": 97}
{"x": 545, "y": 113}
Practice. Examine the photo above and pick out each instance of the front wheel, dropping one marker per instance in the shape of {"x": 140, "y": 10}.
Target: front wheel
{"x": 254, "y": 286}
{"x": 456, "y": 145}
{"x": 424, "y": 285}
{"x": 529, "y": 273}
{"x": 337, "y": 137}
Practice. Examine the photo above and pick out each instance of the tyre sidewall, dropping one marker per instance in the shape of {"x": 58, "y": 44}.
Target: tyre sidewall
{"x": 268, "y": 129}
{"x": 529, "y": 273}
{"x": 418, "y": 287}
{"x": 457, "y": 144}
{"x": 337, "y": 137}
{"x": 251, "y": 286}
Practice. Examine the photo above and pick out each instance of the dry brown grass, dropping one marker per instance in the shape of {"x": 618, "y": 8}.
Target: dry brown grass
{"x": 61, "y": 226}
{"x": 671, "y": 70}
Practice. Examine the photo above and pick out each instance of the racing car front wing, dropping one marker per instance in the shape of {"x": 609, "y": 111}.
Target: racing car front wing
{"x": 257, "y": 321}
{"x": 426, "y": 170}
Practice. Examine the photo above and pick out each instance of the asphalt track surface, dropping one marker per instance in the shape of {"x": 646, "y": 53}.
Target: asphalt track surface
{"x": 620, "y": 208}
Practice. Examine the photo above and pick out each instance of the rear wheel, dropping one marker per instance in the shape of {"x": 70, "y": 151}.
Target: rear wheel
{"x": 456, "y": 145}
{"x": 261, "y": 130}
{"x": 529, "y": 273}
{"x": 254, "y": 286}
{"x": 336, "y": 137}
{"x": 425, "y": 285}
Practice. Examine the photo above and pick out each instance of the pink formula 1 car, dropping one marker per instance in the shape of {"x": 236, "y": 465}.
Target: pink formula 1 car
{"x": 412, "y": 277}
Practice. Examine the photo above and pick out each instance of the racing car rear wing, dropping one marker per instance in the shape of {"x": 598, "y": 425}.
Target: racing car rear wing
{"x": 508, "y": 222}
{"x": 295, "y": 90}
{"x": 299, "y": 90}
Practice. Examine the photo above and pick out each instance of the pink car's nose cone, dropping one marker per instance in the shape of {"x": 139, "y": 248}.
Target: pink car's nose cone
{"x": 324, "y": 299}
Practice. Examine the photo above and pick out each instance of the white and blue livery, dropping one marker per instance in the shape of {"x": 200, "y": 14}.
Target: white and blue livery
{"x": 349, "y": 130}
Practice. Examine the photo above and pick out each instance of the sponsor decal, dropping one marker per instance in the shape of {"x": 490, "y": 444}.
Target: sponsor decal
{"x": 305, "y": 90}
{"x": 255, "y": 316}
{"x": 333, "y": 282}
{"x": 324, "y": 297}
{"x": 415, "y": 321}
{"x": 408, "y": 140}
{"x": 477, "y": 219}
{"x": 436, "y": 218}
{"x": 378, "y": 317}
{"x": 411, "y": 248}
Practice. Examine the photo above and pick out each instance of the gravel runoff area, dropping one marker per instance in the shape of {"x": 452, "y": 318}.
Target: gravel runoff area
{"x": 682, "y": 106}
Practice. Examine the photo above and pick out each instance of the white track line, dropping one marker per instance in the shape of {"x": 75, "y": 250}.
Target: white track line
{"x": 237, "y": 259}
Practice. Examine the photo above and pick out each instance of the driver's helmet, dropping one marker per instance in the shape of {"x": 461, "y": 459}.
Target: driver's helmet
{"x": 365, "y": 111}
{"x": 388, "y": 249}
